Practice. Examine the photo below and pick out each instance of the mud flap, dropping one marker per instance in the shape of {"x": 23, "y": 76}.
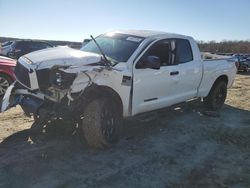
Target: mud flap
{"x": 6, "y": 99}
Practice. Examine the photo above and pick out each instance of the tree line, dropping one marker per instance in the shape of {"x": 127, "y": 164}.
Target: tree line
{"x": 231, "y": 47}
{"x": 53, "y": 42}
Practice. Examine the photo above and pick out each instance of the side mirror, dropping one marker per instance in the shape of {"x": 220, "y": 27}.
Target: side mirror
{"x": 152, "y": 62}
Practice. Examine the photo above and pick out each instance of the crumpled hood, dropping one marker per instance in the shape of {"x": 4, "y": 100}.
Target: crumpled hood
{"x": 62, "y": 56}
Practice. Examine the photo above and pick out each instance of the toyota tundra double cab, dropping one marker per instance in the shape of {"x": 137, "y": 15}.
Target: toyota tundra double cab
{"x": 116, "y": 75}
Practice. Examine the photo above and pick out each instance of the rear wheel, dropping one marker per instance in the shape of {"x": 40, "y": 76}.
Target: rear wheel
{"x": 101, "y": 124}
{"x": 217, "y": 95}
{"x": 5, "y": 82}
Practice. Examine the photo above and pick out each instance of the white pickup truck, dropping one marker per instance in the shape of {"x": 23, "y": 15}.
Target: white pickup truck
{"x": 116, "y": 75}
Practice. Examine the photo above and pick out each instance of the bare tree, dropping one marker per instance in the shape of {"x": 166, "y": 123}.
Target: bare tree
{"x": 233, "y": 47}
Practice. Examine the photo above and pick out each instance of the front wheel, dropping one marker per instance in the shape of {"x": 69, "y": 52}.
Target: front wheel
{"x": 216, "y": 96}
{"x": 101, "y": 123}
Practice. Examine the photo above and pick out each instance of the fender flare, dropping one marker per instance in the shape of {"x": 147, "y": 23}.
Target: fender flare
{"x": 96, "y": 91}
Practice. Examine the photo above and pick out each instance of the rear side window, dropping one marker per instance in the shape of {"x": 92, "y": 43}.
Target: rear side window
{"x": 183, "y": 51}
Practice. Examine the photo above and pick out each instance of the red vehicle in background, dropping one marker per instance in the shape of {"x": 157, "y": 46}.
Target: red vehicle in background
{"x": 7, "y": 75}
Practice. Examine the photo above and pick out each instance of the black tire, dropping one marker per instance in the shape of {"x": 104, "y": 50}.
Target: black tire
{"x": 101, "y": 124}
{"x": 36, "y": 130}
{"x": 5, "y": 82}
{"x": 216, "y": 96}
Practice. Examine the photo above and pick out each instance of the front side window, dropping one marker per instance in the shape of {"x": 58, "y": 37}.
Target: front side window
{"x": 163, "y": 50}
{"x": 117, "y": 47}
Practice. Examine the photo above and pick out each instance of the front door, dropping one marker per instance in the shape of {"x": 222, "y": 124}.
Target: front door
{"x": 154, "y": 89}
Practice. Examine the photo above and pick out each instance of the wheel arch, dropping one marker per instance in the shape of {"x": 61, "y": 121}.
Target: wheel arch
{"x": 222, "y": 78}
{"x": 7, "y": 75}
{"x": 96, "y": 91}
{"x": 210, "y": 100}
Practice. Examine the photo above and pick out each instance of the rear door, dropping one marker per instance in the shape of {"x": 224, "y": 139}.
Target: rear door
{"x": 189, "y": 68}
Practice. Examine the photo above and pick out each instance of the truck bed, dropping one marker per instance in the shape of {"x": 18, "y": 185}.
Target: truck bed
{"x": 212, "y": 69}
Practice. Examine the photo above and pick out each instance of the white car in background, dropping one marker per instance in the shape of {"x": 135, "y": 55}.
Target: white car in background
{"x": 5, "y": 48}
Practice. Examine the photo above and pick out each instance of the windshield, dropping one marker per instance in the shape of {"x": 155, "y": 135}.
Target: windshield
{"x": 117, "y": 47}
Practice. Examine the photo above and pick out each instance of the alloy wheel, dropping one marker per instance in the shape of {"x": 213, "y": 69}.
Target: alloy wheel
{"x": 108, "y": 123}
{"x": 4, "y": 84}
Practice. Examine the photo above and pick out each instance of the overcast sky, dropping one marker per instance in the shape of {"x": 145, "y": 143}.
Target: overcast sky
{"x": 76, "y": 19}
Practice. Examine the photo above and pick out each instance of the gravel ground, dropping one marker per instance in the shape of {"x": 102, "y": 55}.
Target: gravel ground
{"x": 183, "y": 148}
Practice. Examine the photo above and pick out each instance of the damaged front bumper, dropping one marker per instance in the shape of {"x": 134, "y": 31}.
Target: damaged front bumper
{"x": 6, "y": 104}
{"x": 49, "y": 89}
{"x": 30, "y": 102}
{"x": 37, "y": 104}
{"x": 34, "y": 88}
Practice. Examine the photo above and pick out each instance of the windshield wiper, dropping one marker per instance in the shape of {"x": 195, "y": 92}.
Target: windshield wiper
{"x": 107, "y": 62}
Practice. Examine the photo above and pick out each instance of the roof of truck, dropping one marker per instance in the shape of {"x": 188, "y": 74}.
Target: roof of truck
{"x": 148, "y": 33}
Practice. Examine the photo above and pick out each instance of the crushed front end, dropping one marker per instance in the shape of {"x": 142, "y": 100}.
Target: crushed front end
{"x": 44, "y": 88}
{"x": 41, "y": 89}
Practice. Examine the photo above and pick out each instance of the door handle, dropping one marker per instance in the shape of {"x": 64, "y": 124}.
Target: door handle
{"x": 174, "y": 73}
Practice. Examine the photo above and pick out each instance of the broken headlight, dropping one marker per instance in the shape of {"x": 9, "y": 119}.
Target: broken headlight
{"x": 61, "y": 79}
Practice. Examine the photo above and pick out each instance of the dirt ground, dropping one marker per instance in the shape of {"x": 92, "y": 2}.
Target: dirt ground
{"x": 182, "y": 148}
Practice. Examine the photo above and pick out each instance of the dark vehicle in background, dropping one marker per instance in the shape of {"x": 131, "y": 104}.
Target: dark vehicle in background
{"x": 85, "y": 41}
{"x": 5, "y": 48}
{"x": 7, "y": 76}
{"x": 243, "y": 62}
{"x": 245, "y": 65}
{"x": 22, "y": 47}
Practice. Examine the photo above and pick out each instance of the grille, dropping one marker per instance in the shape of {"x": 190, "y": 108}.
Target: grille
{"x": 22, "y": 74}
{"x": 43, "y": 77}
